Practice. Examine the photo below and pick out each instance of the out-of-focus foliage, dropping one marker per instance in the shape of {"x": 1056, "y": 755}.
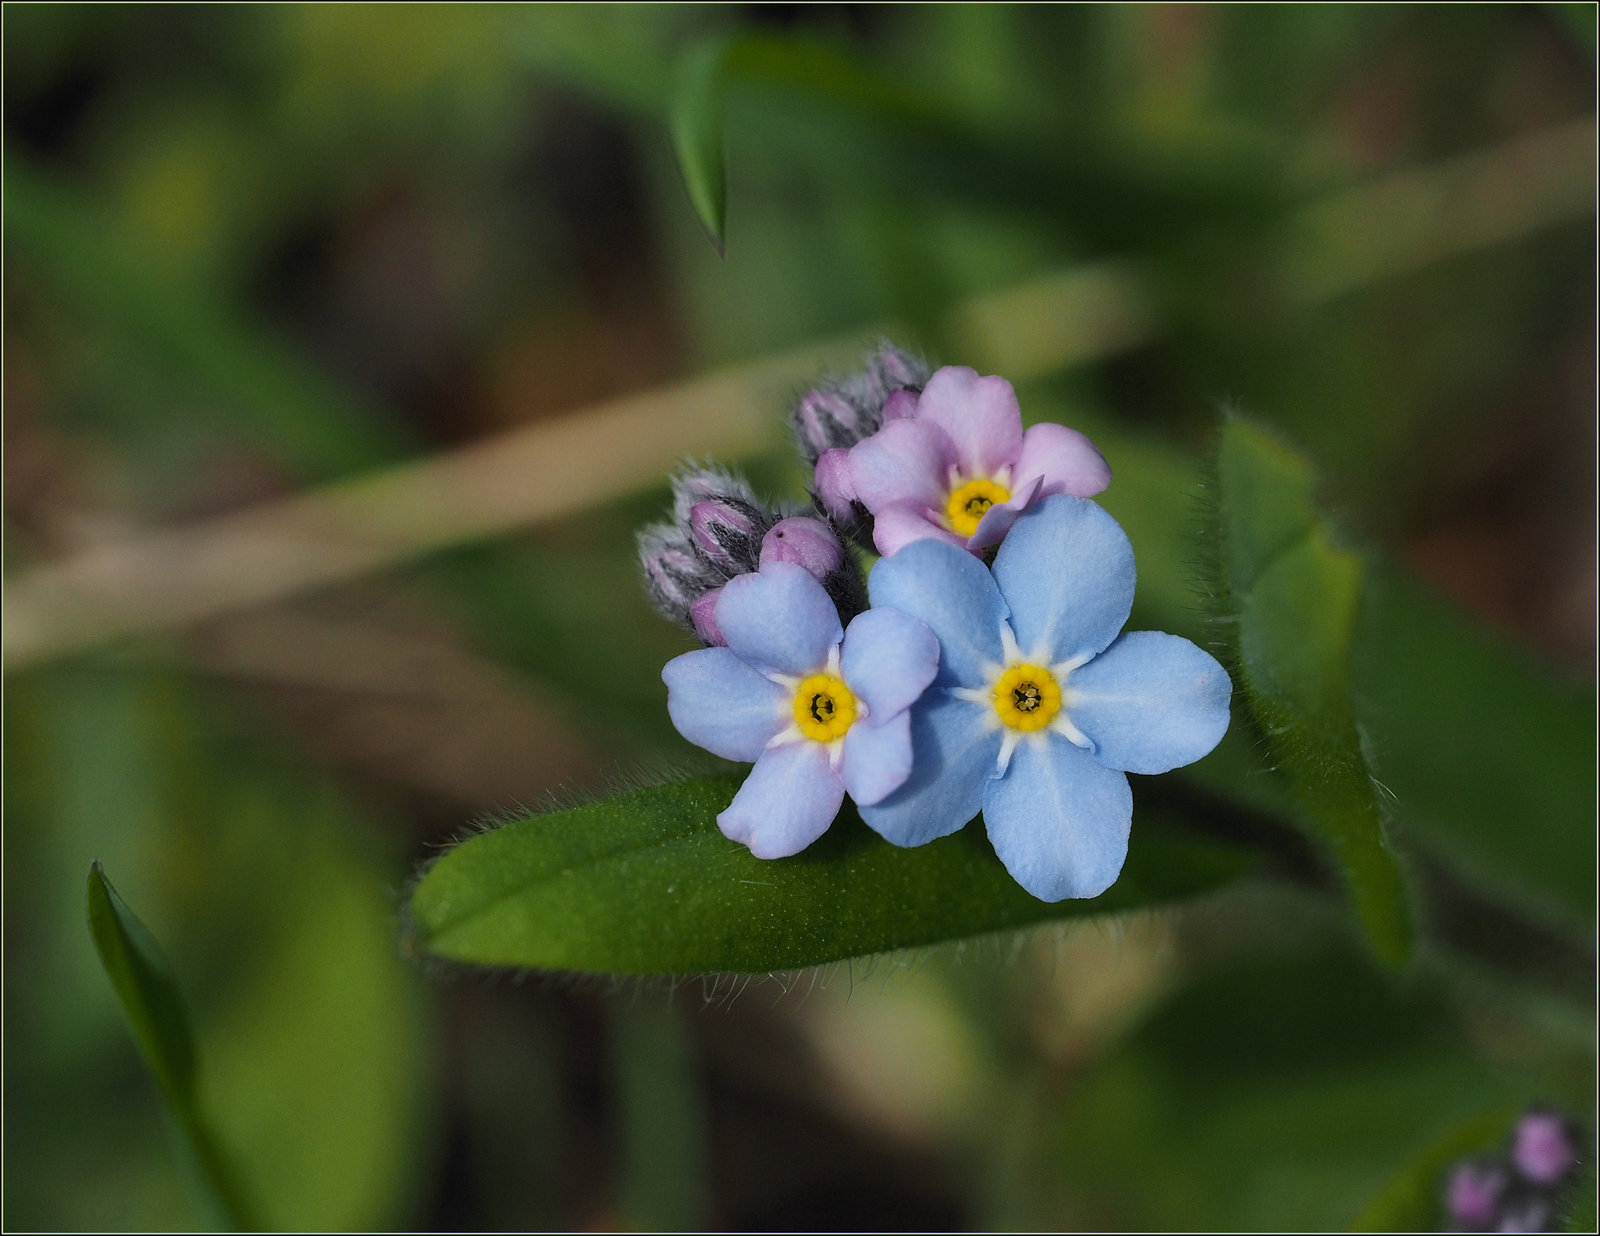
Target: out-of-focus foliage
{"x": 256, "y": 249}
{"x": 1293, "y": 598}
{"x": 151, "y": 999}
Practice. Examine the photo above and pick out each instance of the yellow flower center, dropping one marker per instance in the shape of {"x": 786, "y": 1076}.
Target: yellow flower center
{"x": 969, "y": 502}
{"x": 1027, "y": 697}
{"x": 824, "y": 708}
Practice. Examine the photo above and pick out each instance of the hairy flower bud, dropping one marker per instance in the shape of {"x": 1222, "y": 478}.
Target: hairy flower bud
{"x": 842, "y": 411}
{"x": 714, "y": 535}
{"x": 674, "y": 574}
{"x": 727, "y": 531}
{"x": 697, "y": 484}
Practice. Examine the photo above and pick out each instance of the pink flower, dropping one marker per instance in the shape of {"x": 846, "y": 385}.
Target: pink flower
{"x": 954, "y": 464}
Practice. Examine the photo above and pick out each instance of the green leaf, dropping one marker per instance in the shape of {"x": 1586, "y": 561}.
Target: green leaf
{"x": 1295, "y": 598}
{"x": 145, "y": 985}
{"x": 153, "y": 1003}
{"x": 1489, "y": 753}
{"x": 644, "y": 883}
{"x": 695, "y": 115}
{"x": 1410, "y": 1201}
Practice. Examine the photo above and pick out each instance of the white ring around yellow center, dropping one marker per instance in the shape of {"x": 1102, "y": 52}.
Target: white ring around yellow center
{"x": 824, "y": 707}
{"x": 970, "y": 502}
{"x": 1027, "y": 697}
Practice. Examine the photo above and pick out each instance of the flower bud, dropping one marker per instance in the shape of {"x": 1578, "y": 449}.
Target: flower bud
{"x": 674, "y": 575}
{"x": 1473, "y": 1194}
{"x": 727, "y": 531}
{"x": 808, "y": 542}
{"x": 834, "y": 489}
{"x": 825, "y": 419}
{"x": 693, "y": 484}
{"x": 1542, "y": 1148}
{"x": 843, "y": 411}
{"x": 894, "y": 368}
{"x": 703, "y": 618}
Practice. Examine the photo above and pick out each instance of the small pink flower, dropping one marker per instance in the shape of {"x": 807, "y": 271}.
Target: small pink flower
{"x": 954, "y": 464}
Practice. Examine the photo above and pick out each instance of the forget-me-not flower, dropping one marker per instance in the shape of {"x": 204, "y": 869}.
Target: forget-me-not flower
{"x": 953, "y": 464}
{"x": 820, "y": 710}
{"x": 1040, "y": 706}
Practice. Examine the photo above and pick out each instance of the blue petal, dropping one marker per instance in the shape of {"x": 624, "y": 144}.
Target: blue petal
{"x": 779, "y": 618}
{"x": 953, "y": 593}
{"x": 1066, "y": 571}
{"x": 787, "y": 801}
{"x": 888, "y": 659}
{"x": 1059, "y": 819}
{"x": 720, "y": 703}
{"x": 877, "y": 759}
{"x": 1150, "y": 702}
{"x": 952, "y": 758}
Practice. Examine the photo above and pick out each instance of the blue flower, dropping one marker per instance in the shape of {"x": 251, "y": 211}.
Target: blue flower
{"x": 819, "y": 709}
{"x": 1040, "y": 706}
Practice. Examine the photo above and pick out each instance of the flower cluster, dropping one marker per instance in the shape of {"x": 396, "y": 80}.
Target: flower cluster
{"x": 990, "y": 674}
{"x": 1520, "y": 1188}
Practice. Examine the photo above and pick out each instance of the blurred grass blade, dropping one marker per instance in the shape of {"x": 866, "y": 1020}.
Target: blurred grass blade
{"x": 1410, "y": 1202}
{"x": 153, "y": 1004}
{"x": 838, "y": 117}
{"x": 145, "y": 985}
{"x": 643, "y": 883}
{"x": 663, "y": 1125}
{"x": 1295, "y": 599}
{"x": 695, "y": 116}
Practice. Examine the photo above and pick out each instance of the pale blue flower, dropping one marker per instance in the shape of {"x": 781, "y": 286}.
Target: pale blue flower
{"x": 820, "y": 710}
{"x": 1040, "y": 706}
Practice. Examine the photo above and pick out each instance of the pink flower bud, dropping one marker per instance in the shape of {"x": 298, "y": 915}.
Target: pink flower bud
{"x": 1542, "y": 1148}
{"x": 703, "y": 617}
{"x": 1473, "y": 1195}
{"x": 727, "y": 531}
{"x": 825, "y": 419}
{"x": 808, "y": 542}
{"x": 835, "y": 490}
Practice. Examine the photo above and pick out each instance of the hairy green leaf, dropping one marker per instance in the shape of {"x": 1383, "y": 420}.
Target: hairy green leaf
{"x": 153, "y": 1004}
{"x": 695, "y": 115}
{"x": 1295, "y": 597}
{"x": 1410, "y": 1201}
{"x": 644, "y": 883}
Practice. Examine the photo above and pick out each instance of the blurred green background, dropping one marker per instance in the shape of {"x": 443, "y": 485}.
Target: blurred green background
{"x": 252, "y": 252}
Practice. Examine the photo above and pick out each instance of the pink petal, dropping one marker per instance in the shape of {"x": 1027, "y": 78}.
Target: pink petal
{"x": 905, "y": 461}
{"x": 997, "y": 520}
{"x": 904, "y": 522}
{"x": 1068, "y": 461}
{"x": 980, "y": 415}
{"x": 900, "y": 404}
{"x": 833, "y": 484}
